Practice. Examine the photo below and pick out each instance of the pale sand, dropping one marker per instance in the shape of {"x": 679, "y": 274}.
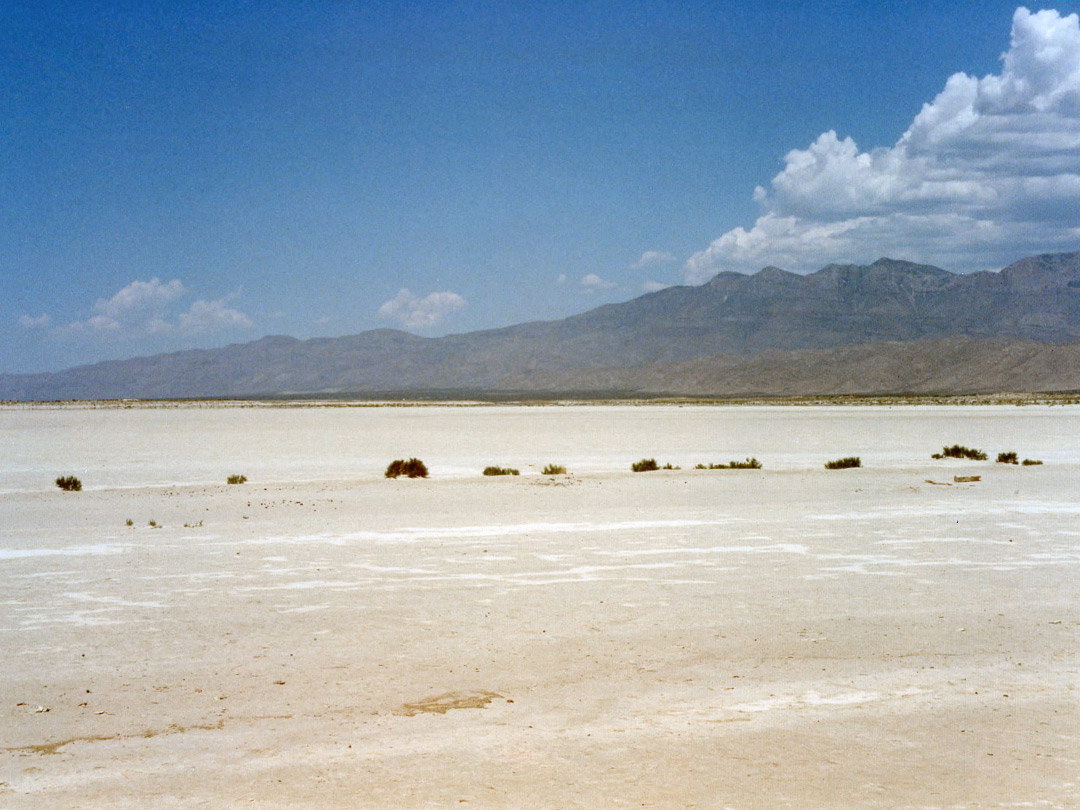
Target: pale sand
{"x": 325, "y": 638}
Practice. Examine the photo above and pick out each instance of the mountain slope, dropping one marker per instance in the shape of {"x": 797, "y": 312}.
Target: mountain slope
{"x": 677, "y": 339}
{"x": 954, "y": 365}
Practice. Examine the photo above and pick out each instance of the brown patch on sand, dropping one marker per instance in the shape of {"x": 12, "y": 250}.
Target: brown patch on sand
{"x": 54, "y": 747}
{"x": 441, "y": 704}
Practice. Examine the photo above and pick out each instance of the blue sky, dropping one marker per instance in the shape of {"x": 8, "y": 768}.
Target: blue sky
{"x": 177, "y": 175}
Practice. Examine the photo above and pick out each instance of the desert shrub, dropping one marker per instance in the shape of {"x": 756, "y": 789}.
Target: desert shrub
{"x": 413, "y": 468}
{"x": 670, "y": 466}
{"x": 1031, "y": 462}
{"x": 844, "y": 463}
{"x": 236, "y": 479}
{"x": 959, "y": 451}
{"x": 553, "y": 469}
{"x": 748, "y": 464}
{"x": 500, "y": 471}
{"x": 129, "y": 522}
{"x": 645, "y": 465}
{"x": 1007, "y": 458}
{"x": 153, "y": 524}
{"x": 69, "y": 483}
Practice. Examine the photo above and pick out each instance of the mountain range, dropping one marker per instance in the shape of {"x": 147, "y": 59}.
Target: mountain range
{"x": 888, "y": 327}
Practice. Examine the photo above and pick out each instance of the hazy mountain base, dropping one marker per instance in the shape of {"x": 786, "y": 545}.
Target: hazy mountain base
{"x": 933, "y": 367}
{"x": 772, "y": 333}
{"x": 948, "y": 367}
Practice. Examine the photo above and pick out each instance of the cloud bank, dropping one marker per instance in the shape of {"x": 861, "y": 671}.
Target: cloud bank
{"x": 987, "y": 172}
{"x": 31, "y": 322}
{"x": 143, "y": 308}
{"x": 414, "y": 312}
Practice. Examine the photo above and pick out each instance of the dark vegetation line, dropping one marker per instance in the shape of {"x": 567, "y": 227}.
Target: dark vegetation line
{"x": 479, "y": 398}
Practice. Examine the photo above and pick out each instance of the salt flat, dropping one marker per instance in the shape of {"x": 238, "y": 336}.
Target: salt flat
{"x": 321, "y": 637}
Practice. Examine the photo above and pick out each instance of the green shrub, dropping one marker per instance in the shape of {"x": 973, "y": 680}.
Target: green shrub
{"x": 236, "y": 479}
{"x": 959, "y": 451}
{"x": 1007, "y": 458}
{"x": 500, "y": 471}
{"x": 69, "y": 483}
{"x": 844, "y": 463}
{"x": 1031, "y": 462}
{"x": 553, "y": 469}
{"x": 413, "y": 468}
{"x": 645, "y": 465}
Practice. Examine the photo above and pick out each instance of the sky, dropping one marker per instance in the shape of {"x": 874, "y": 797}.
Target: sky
{"x": 179, "y": 175}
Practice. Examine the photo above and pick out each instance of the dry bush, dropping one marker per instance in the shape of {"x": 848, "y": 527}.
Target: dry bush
{"x": 413, "y": 468}
{"x": 69, "y": 483}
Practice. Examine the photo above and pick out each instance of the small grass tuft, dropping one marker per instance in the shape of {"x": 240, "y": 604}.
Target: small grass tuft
{"x": 844, "y": 463}
{"x": 413, "y": 468}
{"x": 69, "y": 483}
{"x": 1007, "y": 458}
{"x": 153, "y": 524}
{"x": 493, "y": 470}
{"x": 129, "y": 522}
{"x": 645, "y": 465}
{"x": 1031, "y": 462}
{"x": 236, "y": 479}
{"x": 553, "y": 469}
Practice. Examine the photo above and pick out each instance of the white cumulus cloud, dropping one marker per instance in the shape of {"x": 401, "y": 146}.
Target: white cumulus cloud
{"x": 139, "y": 297}
{"x": 146, "y": 308}
{"x": 205, "y": 316}
{"x": 652, "y": 258}
{"x": 139, "y": 307}
{"x": 987, "y": 172}
{"x": 591, "y": 281}
{"x": 419, "y": 313}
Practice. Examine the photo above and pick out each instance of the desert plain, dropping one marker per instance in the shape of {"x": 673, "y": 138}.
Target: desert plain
{"x": 323, "y": 637}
